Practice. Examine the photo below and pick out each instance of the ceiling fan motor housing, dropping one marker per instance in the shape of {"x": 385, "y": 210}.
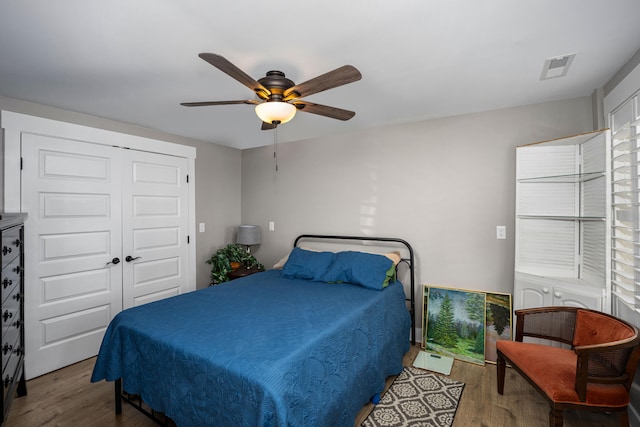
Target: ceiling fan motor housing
{"x": 277, "y": 83}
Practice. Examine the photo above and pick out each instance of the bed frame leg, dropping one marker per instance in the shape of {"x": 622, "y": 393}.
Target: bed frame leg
{"x": 118, "y": 395}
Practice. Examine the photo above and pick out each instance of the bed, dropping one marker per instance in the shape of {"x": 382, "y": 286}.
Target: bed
{"x": 288, "y": 347}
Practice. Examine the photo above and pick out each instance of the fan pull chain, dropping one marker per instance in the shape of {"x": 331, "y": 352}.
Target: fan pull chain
{"x": 275, "y": 146}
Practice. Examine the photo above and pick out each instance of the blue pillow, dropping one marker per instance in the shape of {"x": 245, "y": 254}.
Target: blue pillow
{"x": 308, "y": 265}
{"x": 360, "y": 268}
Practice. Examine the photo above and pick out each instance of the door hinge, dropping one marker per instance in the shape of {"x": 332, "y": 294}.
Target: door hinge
{"x": 187, "y": 178}
{"x": 188, "y": 240}
{"x": 21, "y": 163}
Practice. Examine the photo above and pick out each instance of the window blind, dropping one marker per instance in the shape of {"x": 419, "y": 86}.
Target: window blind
{"x": 625, "y": 232}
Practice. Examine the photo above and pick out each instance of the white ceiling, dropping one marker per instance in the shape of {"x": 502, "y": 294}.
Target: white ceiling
{"x": 135, "y": 60}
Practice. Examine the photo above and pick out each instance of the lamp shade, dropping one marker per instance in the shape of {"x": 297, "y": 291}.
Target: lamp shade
{"x": 275, "y": 111}
{"x": 249, "y": 235}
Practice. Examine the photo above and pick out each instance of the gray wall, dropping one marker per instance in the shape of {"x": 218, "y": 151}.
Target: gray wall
{"x": 443, "y": 185}
{"x": 218, "y": 175}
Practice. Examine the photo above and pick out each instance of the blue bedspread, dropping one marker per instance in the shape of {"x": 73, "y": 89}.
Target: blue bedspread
{"x": 259, "y": 351}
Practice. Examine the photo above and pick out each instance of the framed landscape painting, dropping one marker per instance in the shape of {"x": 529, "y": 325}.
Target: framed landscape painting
{"x": 425, "y": 304}
{"x": 454, "y": 320}
{"x": 497, "y": 323}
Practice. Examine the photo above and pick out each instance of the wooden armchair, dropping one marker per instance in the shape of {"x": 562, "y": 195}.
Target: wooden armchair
{"x": 593, "y": 370}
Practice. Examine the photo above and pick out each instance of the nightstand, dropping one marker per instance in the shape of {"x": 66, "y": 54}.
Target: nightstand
{"x": 242, "y": 272}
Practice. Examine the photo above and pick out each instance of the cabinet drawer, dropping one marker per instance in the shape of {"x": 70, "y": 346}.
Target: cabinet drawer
{"x": 10, "y": 345}
{"x": 10, "y": 245}
{"x": 10, "y": 376}
{"x": 10, "y": 311}
{"x": 10, "y": 277}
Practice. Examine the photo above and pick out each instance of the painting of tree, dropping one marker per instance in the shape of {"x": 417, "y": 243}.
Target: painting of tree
{"x": 498, "y": 323}
{"x": 455, "y": 323}
{"x": 445, "y": 327}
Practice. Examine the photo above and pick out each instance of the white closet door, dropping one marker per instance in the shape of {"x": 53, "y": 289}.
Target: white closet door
{"x": 89, "y": 204}
{"x": 155, "y": 223}
{"x": 71, "y": 191}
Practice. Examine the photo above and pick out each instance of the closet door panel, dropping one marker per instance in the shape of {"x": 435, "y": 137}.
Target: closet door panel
{"x": 155, "y": 222}
{"x": 72, "y": 233}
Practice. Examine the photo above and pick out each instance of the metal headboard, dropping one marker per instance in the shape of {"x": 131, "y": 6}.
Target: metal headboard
{"x": 409, "y": 261}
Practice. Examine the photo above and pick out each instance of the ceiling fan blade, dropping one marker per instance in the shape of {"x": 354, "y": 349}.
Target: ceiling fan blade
{"x": 227, "y": 67}
{"x": 338, "y": 77}
{"x": 267, "y": 126}
{"x": 323, "y": 110}
{"x": 206, "y": 103}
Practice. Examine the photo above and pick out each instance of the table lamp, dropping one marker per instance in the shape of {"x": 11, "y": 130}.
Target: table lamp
{"x": 248, "y": 235}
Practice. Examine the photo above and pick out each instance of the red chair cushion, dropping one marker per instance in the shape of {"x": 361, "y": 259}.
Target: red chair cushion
{"x": 594, "y": 328}
{"x": 553, "y": 369}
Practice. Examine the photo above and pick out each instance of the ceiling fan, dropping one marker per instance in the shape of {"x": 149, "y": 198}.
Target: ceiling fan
{"x": 278, "y": 97}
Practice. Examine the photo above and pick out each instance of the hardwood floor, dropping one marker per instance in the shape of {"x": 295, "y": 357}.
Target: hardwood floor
{"x": 67, "y": 398}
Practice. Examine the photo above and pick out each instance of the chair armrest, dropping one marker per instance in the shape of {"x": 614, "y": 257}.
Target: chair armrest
{"x": 603, "y": 363}
{"x": 551, "y": 323}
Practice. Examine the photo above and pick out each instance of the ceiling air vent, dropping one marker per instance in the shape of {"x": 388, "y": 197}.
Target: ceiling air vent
{"x": 556, "y": 66}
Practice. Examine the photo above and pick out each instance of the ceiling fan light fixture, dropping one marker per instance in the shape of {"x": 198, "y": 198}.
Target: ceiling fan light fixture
{"x": 275, "y": 111}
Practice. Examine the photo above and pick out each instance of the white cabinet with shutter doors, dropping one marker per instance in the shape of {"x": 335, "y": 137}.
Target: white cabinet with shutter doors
{"x": 563, "y": 223}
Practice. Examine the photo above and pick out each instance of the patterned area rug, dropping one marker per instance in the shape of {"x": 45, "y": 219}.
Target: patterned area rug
{"x": 417, "y": 398}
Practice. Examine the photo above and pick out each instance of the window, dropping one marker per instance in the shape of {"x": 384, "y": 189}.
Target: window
{"x": 625, "y": 232}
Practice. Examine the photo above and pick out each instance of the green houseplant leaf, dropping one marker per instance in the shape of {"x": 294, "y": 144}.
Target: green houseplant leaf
{"x": 221, "y": 261}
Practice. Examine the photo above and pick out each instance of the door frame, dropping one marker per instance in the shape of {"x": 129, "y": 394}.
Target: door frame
{"x": 15, "y": 124}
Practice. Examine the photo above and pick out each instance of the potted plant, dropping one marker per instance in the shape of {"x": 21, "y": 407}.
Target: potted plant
{"x": 221, "y": 262}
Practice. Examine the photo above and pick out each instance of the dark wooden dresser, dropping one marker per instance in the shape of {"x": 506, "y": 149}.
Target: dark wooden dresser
{"x": 12, "y": 308}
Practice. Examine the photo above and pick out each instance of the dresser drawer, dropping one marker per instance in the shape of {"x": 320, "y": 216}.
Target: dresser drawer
{"x": 10, "y": 278}
{"x": 10, "y": 376}
{"x": 11, "y": 243}
{"x": 10, "y": 346}
{"x": 10, "y": 311}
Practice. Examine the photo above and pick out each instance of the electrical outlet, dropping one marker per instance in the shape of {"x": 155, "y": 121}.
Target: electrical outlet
{"x": 501, "y": 232}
